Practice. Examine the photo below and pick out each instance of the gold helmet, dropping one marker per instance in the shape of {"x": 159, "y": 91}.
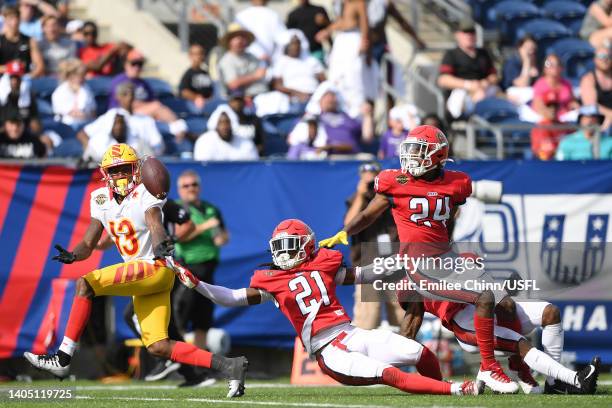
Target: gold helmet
{"x": 120, "y": 169}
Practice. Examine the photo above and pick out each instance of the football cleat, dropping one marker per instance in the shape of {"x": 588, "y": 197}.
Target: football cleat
{"x": 49, "y": 363}
{"x": 470, "y": 388}
{"x": 559, "y": 387}
{"x": 237, "y": 377}
{"x": 497, "y": 380}
{"x": 162, "y": 370}
{"x": 521, "y": 373}
{"x": 587, "y": 377}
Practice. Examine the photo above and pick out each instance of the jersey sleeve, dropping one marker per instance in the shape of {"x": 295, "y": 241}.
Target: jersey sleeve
{"x": 149, "y": 201}
{"x": 98, "y": 198}
{"x": 258, "y": 280}
{"x": 383, "y": 182}
{"x": 328, "y": 261}
{"x": 463, "y": 190}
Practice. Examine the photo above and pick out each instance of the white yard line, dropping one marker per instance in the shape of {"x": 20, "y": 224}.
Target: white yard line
{"x": 129, "y": 387}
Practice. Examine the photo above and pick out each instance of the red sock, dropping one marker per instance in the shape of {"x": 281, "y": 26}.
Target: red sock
{"x": 79, "y": 315}
{"x": 428, "y": 365}
{"x": 414, "y": 383}
{"x": 484, "y": 338}
{"x": 190, "y": 354}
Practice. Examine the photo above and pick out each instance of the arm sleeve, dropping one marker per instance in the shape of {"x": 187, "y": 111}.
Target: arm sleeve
{"x": 94, "y": 209}
{"x": 464, "y": 190}
{"x": 222, "y": 295}
{"x": 447, "y": 66}
{"x": 185, "y": 81}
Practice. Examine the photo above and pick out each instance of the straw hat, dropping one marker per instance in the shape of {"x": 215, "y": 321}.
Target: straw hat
{"x": 233, "y": 30}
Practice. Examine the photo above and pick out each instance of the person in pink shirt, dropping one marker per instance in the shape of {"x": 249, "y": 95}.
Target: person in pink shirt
{"x": 552, "y": 81}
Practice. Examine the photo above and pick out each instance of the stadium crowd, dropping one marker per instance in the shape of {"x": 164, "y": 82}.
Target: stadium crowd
{"x": 283, "y": 88}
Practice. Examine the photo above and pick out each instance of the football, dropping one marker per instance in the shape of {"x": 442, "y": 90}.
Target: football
{"x": 155, "y": 177}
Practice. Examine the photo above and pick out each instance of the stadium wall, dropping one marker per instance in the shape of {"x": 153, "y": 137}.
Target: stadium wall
{"x": 41, "y": 206}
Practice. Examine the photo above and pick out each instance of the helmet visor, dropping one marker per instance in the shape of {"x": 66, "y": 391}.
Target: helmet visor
{"x": 288, "y": 250}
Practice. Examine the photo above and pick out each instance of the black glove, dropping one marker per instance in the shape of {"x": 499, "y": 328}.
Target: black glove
{"x": 164, "y": 249}
{"x": 64, "y": 256}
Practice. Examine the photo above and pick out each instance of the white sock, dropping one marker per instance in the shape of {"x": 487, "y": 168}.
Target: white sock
{"x": 544, "y": 364}
{"x": 552, "y": 341}
{"x": 456, "y": 389}
{"x": 68, "y": 346}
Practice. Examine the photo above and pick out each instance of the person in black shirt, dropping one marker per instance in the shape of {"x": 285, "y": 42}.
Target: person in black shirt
{"x": 309, "y": 19}
{"x": 250, "y": 125}
{"x": 196, "y": 85}
{"x": 17, "y": 46}
{"x": 14, "y": 102}
{"x": 17, "y": 143}
{"x": 467, "y": 73}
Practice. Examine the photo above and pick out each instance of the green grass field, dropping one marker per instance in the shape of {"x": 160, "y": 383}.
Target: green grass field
{"x": 89, "y": 394}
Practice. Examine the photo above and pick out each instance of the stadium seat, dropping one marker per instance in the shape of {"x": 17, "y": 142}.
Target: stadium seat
{"x": 276, "y": 128}
{"x": 65, "y": 131}
{"x": 197, "y": 125}
{"x": 575, "y": 54}
{"x": 544, "y": 31}
{"x": 45, "y": 109}
{"x": 177, "y": 105}
{"x": 43, "y": 87}
{"x": 516, "y": 141}
{"x": 100, "y": 85}
{"x": 508, "y": 15}
{"x": 160, "y": 87}
{"x": 569, "y": 13}
{"x": 495, "y": 109}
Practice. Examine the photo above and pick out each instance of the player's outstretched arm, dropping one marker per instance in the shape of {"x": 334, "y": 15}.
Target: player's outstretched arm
{"x": 83, "y": 248}
{"x": 413, "y": 318}
{"x": 363, "y": 275}
{"x": 162, "y": 244}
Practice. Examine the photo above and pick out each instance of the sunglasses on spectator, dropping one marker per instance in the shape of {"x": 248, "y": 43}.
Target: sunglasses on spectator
{"x": 551, "y": 64}
{"x": 88, "y": 33}
{"x": 194, "y": 185}
{"x": 602, "y": 56}
{"x": 138, "y": 63}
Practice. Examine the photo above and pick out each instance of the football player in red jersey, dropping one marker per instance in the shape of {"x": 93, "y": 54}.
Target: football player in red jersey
{"x": 457, "y": 317}
{"x": 424, "y": 199}
{"x": 302, "y": 283}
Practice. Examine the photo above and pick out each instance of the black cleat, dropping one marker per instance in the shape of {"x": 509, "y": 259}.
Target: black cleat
{"x": 587, "y": 377}
{"x": 559, "y": 387}
{"x": 237, "y": 375}
{"x": 162, "y": 370}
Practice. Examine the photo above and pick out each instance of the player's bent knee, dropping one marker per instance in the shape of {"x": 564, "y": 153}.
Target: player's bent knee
{"x": 486, "y": 300}
{"x": 83, "y": 289}
{"x": 524, "y": 346}
{"x": 551, "y": 315}
{"x": 160, "y": 348}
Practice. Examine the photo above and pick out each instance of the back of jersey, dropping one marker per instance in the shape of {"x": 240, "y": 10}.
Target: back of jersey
{"x": 306, "y": 294}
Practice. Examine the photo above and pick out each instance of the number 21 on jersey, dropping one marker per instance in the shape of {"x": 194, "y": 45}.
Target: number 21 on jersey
{"x": 302, "y": 283}
{"x": 423, "y": 216}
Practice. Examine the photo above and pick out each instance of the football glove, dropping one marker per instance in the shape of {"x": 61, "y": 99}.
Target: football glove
{"x": 339, "y": 238}
{"x": 64, "y": 256}
{"x": 164, "y": 249}
{"x": 185, "y": 276}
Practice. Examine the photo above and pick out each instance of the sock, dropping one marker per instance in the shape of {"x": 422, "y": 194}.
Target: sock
{"x": 544, "y": 364}
{"x": 79, "y": 315}
{"x": 484, "y": 338}
{"x": 414, "y": 383}
{"x": 552, "y": 341}
{"x": 428, "y": 365}
{"x": 190, "y": 354}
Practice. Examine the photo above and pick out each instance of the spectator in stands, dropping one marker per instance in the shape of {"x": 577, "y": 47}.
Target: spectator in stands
{"x": 249, "y": 125}
{"x": 121, "y": 125}
{"x": 239, "y": 69}
{"x": 309, "y": 19}
{"x": 16, "y": 98}
{"x": 521, "y": 71}
{"x": 295, "y": 73}
{"x": 365, "y": 246}
{"x": 596, "y": 86}
{"x": 16, "y": 142}
{"x": 145, "y": 102}
{"x": 196, "y": 85}
{"x": 467, "y": 73}
{"x": 580, "y": 144}
{"x": 597, "y": 24}
{"x": 17, "y": 46}
{"x": 55, "y": 47}
{"x": 220, "y": 142}
{"x": 378, "y": 11}
{"x": 402, "y": 118}
{"x": 101, "y": 59}
{"x": 544, "y": 141}
{"x": 73, "y": 101}
{"x": 29, "y": 11}
{"x": 74, "y": 29}
{"x": 265, "y": 24}
{"x": 552, "y": 81}
{"x": 198, "y": 247}
{"x": 307, "y": 140}
{"x": 351, "y": 68}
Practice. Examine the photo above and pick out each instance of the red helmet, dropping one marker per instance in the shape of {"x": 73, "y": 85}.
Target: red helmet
{"x": 292, "y": 243}
{"x": 424, "y": 149}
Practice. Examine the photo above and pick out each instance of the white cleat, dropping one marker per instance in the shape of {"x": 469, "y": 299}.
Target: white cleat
{"x": 470, "y": 388}
{"x": 521, "y": 373}
{"x": 237, "y": 377}
{"x": 497, "y": 380}
{"x": 49, "y": 363}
